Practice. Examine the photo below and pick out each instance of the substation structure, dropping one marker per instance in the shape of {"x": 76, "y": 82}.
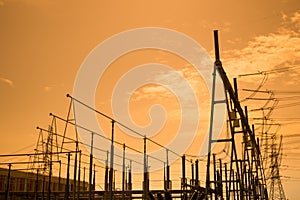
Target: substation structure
{"x": 62, "y": 168}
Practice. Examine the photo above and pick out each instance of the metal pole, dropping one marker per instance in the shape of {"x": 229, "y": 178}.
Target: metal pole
{"x": 145, "y": 171}
{"x": 215, "y": 179}
{"x": 94, "y": 182}
{"x": 91, "y": 167}
{"x": 111, "y": 170}
{"x": 193, "y": 173}
{"x": 216, "y": 39}
{"x": 90, "y": 177}
{"x": 123, "y": 173}
{"x": 75, "y": 174}
{"x": 238, "y": 187}
{"x": 106, "y": 182}
{"x": 36, "y": 184}
{"x": 126, "y": 178}
{"x": 59, "y": 176}
{"x": 167, "y": 170}
{"x": 197, "y": 172}
{"x": 114, "y": 185}
{"x": 233, "y": 183}
{"x": 7, "y": 182}
{"x": 130, "y": 178}
{"x": 168, "y": 177}
{"x": 183, "y": 182}
{"x": 165, "y": 178}
{"x": 83, "y": 184}
{"x": 68, "y": 178}
{"x": 235, "y": 87}
{"x": 43, "y": 186}
{"x": 79, "y": 170}
{"x": 226, "y": 181}
{"x": 207, "y": 188}
{"x": 49, "y": 181}
{"x": 220, "y": 179}
{"x": 246, "y": 189}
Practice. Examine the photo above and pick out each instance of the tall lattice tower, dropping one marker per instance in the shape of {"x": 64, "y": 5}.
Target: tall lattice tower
{"x": 276, "y": 188}
{"x": 47, "y": 140}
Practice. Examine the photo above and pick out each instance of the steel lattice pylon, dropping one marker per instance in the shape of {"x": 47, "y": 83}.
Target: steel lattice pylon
{"x": 276, "y": 188}
{"x": 245, "y": 177}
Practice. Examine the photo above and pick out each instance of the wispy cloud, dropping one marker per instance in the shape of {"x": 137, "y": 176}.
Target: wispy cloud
{"x": 176, "y": 80}
{"x": 48, "y": 88}
{"x": 222, "y": 26}
{"x": 296, "y": 18}
{"x": 268, "y": 52}
{"x": 7, "y": 81}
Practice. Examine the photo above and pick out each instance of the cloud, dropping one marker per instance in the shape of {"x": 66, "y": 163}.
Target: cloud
{"x": 176, "y": 80}
{"x": 7, "y": 81}
{"x": 262, "y": 53}
{"x": 267, "y": 52}
{"x": 296, "y": 18}
{"x": 215, "y": 25}
{"x": 48, "y": 88}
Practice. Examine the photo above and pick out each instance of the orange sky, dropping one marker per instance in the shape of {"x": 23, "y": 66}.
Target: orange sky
{"x": 44, "y": 43}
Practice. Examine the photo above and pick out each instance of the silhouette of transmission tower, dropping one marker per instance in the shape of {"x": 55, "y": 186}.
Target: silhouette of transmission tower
{"x": 276, "y": 188}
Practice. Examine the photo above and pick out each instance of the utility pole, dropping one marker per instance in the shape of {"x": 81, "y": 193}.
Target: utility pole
{"x": 123, "y": 173}
{"x": 91, "y": 167}
{"x": 146, "y": 181}
{"x": 111, "y": 170}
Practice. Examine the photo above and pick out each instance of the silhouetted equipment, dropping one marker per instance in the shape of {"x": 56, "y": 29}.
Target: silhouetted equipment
{"x": 240, "y": 175}
{"x": 245, "y": 178}
{"x": 276, "y": 189}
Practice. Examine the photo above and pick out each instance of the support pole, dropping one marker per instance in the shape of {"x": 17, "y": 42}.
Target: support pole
{"x": 91, "y": 167}
{"x": 43, "y": 186}
{"x": 165, "y": 178}
{"x": 7, "y": 182}
{"x": 215, "y": 177}
{"x": 183, "y": 181}
{"x": 94, "y": 182}
{"x": 168, "y": 178}
{"x": 123, "y": 173}
{"x": 59, "y": 176}
{"x": 75, "y": 173}
{"x": 221, "y": 180}
{"x": 233, "y": 183}
{"x": 235, "y": 87}
{"x": 207, "y": 188}
{"x": 114, "y": 185}
{"x": 167, "y": 184}
{"x": 79, "y": 171}
{"x": 83, "y": 184}
{"x": 49, "y": 181}
{"x": 130, "y": 178}
{"x": 146, "y": 185}
{"x": 68, "y": 178}
{"x": 36, "y": 185}
{"x": 106, "y": 183}
{"x": 193, "y": 173}
{"x": 111, "y": 170}
{"x": 226, "y": 181}
{"x": 197, "y": 172}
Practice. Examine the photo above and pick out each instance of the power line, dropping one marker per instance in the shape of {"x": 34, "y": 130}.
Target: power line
{"x": 121, "y": 124}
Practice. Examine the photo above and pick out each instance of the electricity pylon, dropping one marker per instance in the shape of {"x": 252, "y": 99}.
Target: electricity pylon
{"x": 276, "y": 188}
